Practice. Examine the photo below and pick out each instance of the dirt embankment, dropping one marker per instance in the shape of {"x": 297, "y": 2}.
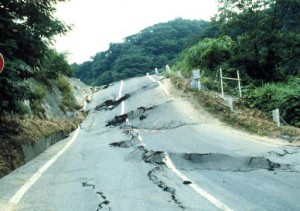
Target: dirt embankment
{"x": 16, "y": 131}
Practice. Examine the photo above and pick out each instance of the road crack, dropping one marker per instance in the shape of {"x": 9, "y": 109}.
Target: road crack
{"x": 156, "y": 158}
{"x": 111, "y": 103}
{"x": 285, "y": 152}
{"x": 226, "y": 163}
{"x": 105, "y": 203}
{"x": 121, "y": 119}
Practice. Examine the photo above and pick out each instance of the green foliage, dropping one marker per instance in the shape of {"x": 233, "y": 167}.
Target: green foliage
{"x": 208, "y": 55}
{"x": 285, "y": 96}
{"x": 68, "y": 100}
{"x": 269, "y": 45}
{"x": 36, "y": 100}
{"x": 27, "y": 28}
{"x": 153, "y": 47}
{"x": 54, "y": 64}
{"x": 263, "y": 43}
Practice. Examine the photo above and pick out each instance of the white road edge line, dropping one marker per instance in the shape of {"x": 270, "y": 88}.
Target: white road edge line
{"x": 21, "y": 192}
{"x": 120, "y": 90}
{"x": 160, "y": 84}
{"x": 171, "y": 166}
{"x": 193, "y": 185}
{"x": 120, "y": 95}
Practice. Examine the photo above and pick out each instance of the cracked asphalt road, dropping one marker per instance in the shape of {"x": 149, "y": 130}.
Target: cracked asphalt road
{"x": 155, "y": 151}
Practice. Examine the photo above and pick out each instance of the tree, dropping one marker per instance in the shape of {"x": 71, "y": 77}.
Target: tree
{"x": 269, "y": 28}
{"x": 208, "y": 54}
{"x": 154, "y": 46}
{"x": 27, "y": 28}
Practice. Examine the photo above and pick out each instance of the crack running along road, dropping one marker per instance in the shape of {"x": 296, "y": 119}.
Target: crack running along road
{"x": 200, "y": 191}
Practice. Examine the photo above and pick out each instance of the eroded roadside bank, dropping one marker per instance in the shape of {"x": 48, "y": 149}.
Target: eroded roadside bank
{"x": 22, "y": 138}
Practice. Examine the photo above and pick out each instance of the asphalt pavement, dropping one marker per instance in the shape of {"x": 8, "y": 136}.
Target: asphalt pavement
{"x": 142, "y": 147}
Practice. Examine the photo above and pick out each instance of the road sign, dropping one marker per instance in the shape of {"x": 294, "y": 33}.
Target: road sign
{"x": 1, "y": 63}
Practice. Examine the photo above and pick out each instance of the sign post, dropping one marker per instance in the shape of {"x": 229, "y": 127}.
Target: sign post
{"x": 1, "y": 63}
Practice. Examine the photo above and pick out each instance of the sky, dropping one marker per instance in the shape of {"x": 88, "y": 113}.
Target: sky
{"x": 97, "y": 23}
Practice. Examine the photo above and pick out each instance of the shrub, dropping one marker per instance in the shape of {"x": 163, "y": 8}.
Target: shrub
{"x": 284, "y": 96}
{"x": 68, "y": 100}
{"x": 36, "y": 100}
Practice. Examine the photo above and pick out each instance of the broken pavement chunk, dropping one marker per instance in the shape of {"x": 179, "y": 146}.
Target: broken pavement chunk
{"x": 187, "y": 182}
{"x": 111, "y": 104}
{"x": 117, "y": 120}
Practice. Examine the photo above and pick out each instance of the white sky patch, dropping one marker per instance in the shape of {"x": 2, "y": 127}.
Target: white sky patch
{"x": 100, "y": 22}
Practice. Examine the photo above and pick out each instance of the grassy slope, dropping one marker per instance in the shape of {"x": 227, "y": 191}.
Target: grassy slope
{"x": 253, "y": 121}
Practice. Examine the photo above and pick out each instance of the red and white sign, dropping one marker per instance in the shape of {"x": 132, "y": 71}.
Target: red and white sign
{"x": 1, "y": 63}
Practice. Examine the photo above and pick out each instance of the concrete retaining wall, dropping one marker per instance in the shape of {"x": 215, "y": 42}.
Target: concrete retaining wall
{"x": 31, "y": 150}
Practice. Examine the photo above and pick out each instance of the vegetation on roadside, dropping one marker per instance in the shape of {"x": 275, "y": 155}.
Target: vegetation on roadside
{"x": 36, "y": 100}
{"x": 32, "y": 68}
{"x": 27, "y": 29}
{"x": 68, "y": 99}
{"x": 250, "y": 120}
{"x": 261, "y": 39}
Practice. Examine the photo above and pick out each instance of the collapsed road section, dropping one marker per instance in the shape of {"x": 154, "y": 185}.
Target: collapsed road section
{"x": 156, "y": 121}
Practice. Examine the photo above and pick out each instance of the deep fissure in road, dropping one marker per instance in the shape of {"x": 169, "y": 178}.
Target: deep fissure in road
{"x": 138, "y": 117}
{"x": 184, "y": 161}
{"x": 155, "y": 158}
{"x": 120, "y": 119}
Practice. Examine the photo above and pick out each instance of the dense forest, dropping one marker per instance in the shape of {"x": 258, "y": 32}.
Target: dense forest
{"x": 152, "y": 47}
{"x": 27, "y": 31}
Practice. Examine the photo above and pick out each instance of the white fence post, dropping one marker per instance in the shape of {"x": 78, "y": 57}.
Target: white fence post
{"x": 230, "y": 104}
{"x": 239, "y": 83}
{"x": 221, "y": 77}
{"x": 276, "y": 117}
{"x": 168, "y": 69}
{"x": 199, "y": 82}
{"x": 196, "y": 77}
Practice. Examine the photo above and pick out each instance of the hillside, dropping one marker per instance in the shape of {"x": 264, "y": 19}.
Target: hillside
{"x": 38, "y": 100}
{"x": 152, "y": 47}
